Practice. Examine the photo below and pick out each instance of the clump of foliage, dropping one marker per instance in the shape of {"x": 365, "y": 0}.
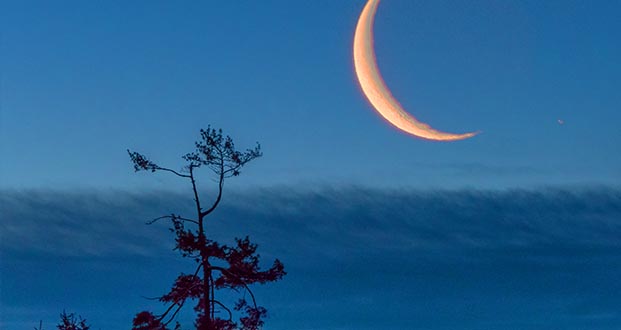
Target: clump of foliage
{"x": 218, "y": 266}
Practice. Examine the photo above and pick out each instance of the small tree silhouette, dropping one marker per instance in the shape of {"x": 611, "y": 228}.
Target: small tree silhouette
{"x": 71, "y": 322}
{"x": 240, "y": 263}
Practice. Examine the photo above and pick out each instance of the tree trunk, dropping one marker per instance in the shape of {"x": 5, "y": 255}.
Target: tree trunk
{"x": 202, "y": 241}
{"x": 206, "y": 291}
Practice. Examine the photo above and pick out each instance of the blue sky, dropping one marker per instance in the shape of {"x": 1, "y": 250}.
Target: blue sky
{"x": 84, "y": 81}
{"x": 80, "y": 82}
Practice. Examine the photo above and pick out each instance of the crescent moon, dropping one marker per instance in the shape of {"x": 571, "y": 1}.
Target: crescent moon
{"x": 375, "y": 88}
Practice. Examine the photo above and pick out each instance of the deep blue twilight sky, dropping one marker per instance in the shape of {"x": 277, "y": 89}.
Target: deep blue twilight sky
{"x": 516, "y": 228}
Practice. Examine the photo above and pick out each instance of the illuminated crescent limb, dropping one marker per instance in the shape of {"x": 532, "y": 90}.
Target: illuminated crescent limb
{"x": 375, "y": 88}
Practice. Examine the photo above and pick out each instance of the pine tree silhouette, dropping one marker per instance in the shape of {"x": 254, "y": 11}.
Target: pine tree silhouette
{"x": 218, "y": 266}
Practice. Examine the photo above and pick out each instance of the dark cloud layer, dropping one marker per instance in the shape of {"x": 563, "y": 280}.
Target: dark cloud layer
{"x": 357, "y": 258}
{"x": 331, "y": 221}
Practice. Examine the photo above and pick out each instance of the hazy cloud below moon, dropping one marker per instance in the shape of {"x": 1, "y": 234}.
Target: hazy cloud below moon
{"x": 338, "y": 222}
{"x": 516, "y": 259}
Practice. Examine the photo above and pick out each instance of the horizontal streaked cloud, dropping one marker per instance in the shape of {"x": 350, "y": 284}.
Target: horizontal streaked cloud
{"x": 333, "y": 221}
{"x": 469, "y": 259}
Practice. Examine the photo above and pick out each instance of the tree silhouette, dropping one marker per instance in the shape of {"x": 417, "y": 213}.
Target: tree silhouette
{"x": 68, "y": 322}
{"x": 218, "y": 266}
{"x": 71, "y": 322}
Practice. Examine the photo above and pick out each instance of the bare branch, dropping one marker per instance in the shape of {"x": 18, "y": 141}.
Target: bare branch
{"x": 218, "y": 198}
{"x": 172, "y": 217}
{"x": 225, "y": 308}
{"x": 228, "y": 273}
{"x": 157, "y": 168}
{"x": 172, "y": 317}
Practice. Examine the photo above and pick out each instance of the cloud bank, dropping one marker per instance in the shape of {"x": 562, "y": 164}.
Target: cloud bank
{"x": 357, "y": 258}
{"x": 342, "y": 222}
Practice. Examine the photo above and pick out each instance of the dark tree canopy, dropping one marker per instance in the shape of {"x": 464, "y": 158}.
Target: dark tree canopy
{"x": 219, "y": 266}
